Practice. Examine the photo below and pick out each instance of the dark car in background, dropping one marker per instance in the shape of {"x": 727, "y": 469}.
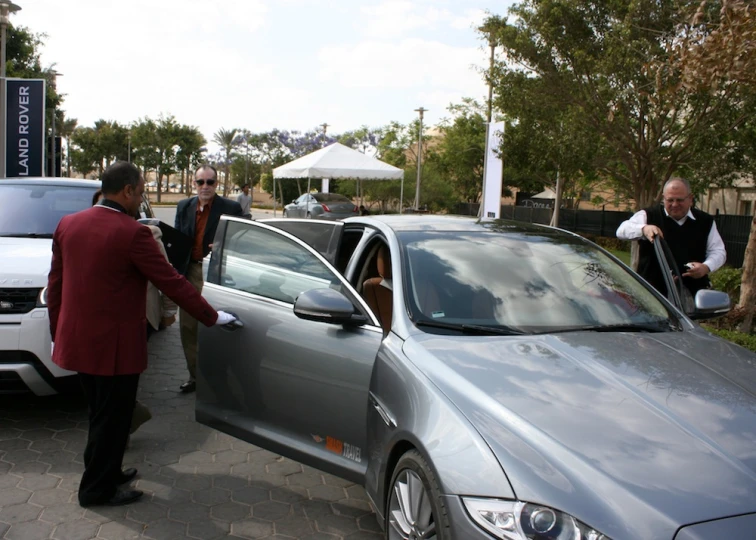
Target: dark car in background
{"x": 321, "y": 206}
{"x": 31, "y": 211}
{"x": 482, "y": 379}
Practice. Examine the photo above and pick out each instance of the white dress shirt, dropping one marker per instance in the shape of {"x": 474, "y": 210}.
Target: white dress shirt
{"x": 716, "y": 256}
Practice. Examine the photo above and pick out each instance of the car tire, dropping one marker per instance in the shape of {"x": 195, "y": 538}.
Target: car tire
{"x": 309, "y": 215}
{"x": 414, "y": 485}
{"x": 285, "y": 214}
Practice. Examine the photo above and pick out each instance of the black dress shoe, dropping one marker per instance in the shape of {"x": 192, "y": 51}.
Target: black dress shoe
{"x": 188, "y": 386}
{"x": 127, "y": 475}
{"x": 121, "y": 497}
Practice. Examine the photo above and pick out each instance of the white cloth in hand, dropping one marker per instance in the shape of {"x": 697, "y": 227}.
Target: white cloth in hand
{"x": 224, "y": 318}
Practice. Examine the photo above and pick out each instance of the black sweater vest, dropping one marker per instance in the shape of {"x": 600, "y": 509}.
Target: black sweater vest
{"x": 687, "y": 243}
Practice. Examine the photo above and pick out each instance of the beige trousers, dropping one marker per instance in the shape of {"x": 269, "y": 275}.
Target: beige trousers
{"x": 188, "y": 324}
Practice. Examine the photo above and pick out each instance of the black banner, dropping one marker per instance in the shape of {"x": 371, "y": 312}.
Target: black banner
{"x": 25, "y": 127}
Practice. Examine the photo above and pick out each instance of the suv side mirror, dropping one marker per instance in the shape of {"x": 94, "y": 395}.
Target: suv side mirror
{"x": 710, "y": 304}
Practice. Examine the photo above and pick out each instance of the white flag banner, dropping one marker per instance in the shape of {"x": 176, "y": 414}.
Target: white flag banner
{"x": 324, "y": 186}
{"x": 493, "y": 170}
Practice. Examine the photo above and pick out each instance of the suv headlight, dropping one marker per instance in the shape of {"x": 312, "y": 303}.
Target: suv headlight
{"x": 516, "y": 520}
{"x": 42, "y": 298}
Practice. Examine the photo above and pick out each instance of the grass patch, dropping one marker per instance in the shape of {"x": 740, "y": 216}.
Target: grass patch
{"x": 624, "y": 256}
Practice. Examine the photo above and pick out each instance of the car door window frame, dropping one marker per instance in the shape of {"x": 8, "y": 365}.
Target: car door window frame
{"x": 348, "y": 290}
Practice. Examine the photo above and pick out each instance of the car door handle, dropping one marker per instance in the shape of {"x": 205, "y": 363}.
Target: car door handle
{"x": 236, "y": 324}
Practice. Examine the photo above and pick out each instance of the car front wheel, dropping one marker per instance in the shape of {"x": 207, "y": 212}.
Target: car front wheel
{"x": 285, "y": 214}
{"x": 415, "y": 509}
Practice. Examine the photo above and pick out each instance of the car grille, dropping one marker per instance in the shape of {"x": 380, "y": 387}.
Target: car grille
{"x": 18, "y": 300}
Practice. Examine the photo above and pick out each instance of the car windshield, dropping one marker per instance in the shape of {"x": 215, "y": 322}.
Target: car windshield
{"x": 523, "y": 282}
{"x": 34, "y": 210}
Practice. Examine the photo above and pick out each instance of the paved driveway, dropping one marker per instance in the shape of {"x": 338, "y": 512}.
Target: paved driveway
{"x": 198, "y": 482}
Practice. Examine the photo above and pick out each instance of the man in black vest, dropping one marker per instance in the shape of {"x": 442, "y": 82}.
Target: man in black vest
{"x": 691, "y": 234}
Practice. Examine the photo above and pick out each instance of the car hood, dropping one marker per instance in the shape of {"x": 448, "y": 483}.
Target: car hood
{"x": 26, "y": 261}
{"x": 627, "y": 431}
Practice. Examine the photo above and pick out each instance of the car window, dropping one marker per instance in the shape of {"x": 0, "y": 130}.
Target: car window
{"x": 534, "y": 282}
{"x": 36, "y": 209}
{"x": 259, "y": 261}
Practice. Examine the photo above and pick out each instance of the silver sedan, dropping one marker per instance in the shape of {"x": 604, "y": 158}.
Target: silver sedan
{"x": 321, "y": 206}
{"x": 481, "y": 379}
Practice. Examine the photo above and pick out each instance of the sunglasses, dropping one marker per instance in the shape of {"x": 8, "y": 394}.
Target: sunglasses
{"x": 203, "y": 182}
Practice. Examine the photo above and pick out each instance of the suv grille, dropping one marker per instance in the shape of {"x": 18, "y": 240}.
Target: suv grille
{"x": 18, "y": 300}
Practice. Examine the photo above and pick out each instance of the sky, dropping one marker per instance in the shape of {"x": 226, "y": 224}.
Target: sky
{"x": 263, "y": 64}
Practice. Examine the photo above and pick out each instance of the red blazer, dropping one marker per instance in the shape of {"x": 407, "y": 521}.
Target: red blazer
{"x": 97, "y": 289}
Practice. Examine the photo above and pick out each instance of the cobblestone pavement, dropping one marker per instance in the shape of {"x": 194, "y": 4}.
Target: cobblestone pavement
{"x": 198, "y": 483}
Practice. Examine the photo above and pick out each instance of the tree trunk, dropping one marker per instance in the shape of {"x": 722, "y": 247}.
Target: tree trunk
{"x": 748, "y": 281}
{"x": 557, "y": 202}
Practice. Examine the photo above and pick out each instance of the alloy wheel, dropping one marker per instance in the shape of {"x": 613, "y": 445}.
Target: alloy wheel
{"x": 410, "y": 509}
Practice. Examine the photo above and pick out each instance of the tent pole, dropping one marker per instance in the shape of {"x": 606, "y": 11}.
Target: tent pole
{"x": 308, "y": 196}
{"x": 401, "y": 197}
{"x": 274, "y": 196}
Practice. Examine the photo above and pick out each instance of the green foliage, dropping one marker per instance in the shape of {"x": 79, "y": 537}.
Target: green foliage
{"x": 614, "y": 87}
{"x": 727, "y": 279}
{"x": 459, "y": 154}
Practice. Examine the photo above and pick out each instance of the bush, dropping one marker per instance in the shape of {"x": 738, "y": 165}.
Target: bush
{"x": 608, "y": 243}
{"x": 727, "y": 279}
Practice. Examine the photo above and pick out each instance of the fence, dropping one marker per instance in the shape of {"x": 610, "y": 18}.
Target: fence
{"x": 733, "y": 229}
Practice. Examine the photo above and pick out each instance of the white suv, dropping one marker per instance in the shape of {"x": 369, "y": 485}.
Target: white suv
{"x": 32, "y": 209}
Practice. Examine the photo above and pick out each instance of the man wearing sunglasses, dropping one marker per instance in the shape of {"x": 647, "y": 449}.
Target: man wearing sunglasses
{"x": 198, "y": 218}
{"x": 691, "y": 234}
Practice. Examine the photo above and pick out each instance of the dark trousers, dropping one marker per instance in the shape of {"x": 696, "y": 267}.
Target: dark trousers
{"x": 111, "y": 405}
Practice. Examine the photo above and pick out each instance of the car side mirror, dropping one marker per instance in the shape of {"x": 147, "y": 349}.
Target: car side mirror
{"x": 710, "y": 304}
{"x": 293, "y": 201}
{"x": 328, "y": 306}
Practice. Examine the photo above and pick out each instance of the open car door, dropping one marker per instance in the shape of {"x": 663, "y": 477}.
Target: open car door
{"x": 706, "y": 304}
{"x": 323, "y": 236}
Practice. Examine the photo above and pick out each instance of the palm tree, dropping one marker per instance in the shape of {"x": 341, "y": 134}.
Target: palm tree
{"x": 226, "y": 139}
{"x": 66, "y": 129}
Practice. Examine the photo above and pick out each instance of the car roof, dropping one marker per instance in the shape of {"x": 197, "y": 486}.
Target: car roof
{"x": 414, "y": 222}
{"x": 41, "y": 181}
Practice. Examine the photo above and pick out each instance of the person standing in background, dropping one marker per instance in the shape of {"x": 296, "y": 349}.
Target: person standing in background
{"x": 691, "y": 234}
{"x": 245, "y": 200}
{"x": 198, "y": 217}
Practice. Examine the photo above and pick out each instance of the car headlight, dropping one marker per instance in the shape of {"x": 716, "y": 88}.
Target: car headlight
{"x": 42, "y": 298}
{"x": 516, "y": 520}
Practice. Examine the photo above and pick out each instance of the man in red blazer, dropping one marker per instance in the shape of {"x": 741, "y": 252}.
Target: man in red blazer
{"x": 102, "y": 260}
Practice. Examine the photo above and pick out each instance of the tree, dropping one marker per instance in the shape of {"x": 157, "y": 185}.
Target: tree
{"x": 66, "y": 129}
{"x": 628, "y": 72}
{"x": 460, "y": 153}
{"x": 144, "y": 153}
{"x": 227, "y": 140}
{"x": 190, "y": 154}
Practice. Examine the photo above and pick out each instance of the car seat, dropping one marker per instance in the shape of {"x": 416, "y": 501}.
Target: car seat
{"x": 378, "y": 296}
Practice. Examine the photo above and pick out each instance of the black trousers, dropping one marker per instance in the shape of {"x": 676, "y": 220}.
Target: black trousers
{"x": 111, "y": 404}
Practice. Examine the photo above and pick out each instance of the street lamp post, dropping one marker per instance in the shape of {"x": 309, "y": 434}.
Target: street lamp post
{"x": 55, "y": 76}
{"x": 6, "y": 8}
{"x": 419, "y": 157}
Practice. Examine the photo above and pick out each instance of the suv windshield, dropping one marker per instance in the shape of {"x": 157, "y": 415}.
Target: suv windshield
{"x": 522, "y": 281}
{"x": 36, "y": 210}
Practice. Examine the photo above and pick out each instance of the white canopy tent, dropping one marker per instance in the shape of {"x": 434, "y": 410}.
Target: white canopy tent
{"x": 545, "y": 194}
{"x": 336, "y": 161}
